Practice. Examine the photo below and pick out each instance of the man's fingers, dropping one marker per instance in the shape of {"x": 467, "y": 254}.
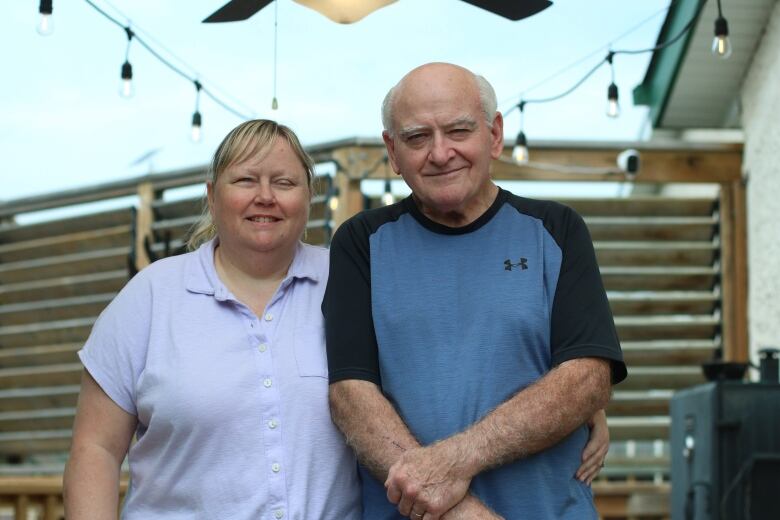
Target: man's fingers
{"x": 393, "y": 493}
{"x": 405, "y": 505}
{"x": 418, "y": 512}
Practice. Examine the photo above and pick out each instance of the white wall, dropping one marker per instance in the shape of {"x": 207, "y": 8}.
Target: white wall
{"x": 761, "y": 121}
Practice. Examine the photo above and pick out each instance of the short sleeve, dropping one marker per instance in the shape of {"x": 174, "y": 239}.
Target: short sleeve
{"x": 582, "y": 324}
{"x": 346, "y": 307}
{"x": 115, "y": 352}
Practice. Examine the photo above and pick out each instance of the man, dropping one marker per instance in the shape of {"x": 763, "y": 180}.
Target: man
{"x": 469, "y": 335}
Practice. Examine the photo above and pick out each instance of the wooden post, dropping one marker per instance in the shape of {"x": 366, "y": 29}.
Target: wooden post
{"x": 143, "y": 223}
{"x": 20, "y": 508}
{"x": 51, "y": 508}
{"x": 350, "y": 199}
{"x": 356, "y": 164}
{"x": 733, "y": 235}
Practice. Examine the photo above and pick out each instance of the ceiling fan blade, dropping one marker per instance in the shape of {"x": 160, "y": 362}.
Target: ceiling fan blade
{"x": 514, "y": 10}
{"x": 236, "y": 10}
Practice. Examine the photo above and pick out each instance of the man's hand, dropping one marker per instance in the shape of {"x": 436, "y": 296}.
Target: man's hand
{"x": 427, "y": 482}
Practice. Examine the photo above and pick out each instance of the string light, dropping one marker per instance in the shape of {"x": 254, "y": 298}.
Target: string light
{"x": 274, "y": 102}
{"x": 387, "y": 196}
{"x": 721, "y": 45}
{"x": 126, "y": 89}
{"x": 520, "y": 151}
{"x": 45, "y": 23}
{"x": 197, "y": 121}
{"x": 613, "y": 107}
{"x": 721, "y": 48}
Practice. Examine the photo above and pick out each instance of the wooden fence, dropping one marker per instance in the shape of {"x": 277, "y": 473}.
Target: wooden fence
{"x": 674, "y": 268}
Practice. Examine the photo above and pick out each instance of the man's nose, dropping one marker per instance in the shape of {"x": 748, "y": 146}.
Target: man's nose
{"x": 441, "y": 151}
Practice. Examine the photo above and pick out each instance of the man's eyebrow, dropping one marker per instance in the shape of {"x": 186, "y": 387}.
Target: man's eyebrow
{"x": 466, "y": 121}
{"x": 410, "y": 130}
{"x": 462, "y": 121}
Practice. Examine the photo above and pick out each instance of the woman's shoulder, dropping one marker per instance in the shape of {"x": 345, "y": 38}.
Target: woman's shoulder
{"x": 316, "y": 255}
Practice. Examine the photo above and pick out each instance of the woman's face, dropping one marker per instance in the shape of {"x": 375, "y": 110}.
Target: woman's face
{"x": 262, "y": 203}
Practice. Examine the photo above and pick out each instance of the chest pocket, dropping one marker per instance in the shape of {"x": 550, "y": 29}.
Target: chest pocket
{"x": 309, "y": 348}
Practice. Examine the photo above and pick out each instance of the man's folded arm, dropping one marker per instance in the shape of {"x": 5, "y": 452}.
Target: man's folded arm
{"x": 531, "y": 421}
{"x": 379, "y": 437}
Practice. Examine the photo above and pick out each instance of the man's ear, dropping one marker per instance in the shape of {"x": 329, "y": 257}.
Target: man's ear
{"x": 497, "y": 136}
{"x": 390, "y": 145}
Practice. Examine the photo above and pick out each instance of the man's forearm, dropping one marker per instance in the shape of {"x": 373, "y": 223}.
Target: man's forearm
{"x": 536, "y": 418}
{"x": 370, "y": 424}
{"x": 379, "y": 437}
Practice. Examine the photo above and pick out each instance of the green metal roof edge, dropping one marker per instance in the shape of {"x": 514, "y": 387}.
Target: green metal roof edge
{"x": 665, "y": 64}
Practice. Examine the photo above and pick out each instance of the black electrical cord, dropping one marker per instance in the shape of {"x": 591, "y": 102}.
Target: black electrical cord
{"x": 608, "y": 59}
{"x": 167, "y": 63}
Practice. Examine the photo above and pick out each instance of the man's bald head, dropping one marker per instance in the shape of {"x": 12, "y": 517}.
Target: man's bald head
{"x": 487, "y": 96}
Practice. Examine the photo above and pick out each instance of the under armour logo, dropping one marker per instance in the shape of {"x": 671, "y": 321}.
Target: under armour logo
{"x": 522, "y": 264}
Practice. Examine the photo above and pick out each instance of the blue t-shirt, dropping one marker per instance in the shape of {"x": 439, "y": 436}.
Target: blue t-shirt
{"x": 452, "y": 322}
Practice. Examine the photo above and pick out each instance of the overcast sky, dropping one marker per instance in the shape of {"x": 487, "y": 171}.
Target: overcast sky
{"x": 65, "y": 125}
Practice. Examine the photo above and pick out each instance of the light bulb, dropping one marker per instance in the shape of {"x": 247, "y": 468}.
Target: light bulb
{"x": 613, "y": 107}
{"x": 274, "y": 104}
{"x": 45, "y": 23}
{"x": 333, "y": 203}
{"x": 387, "y": 196}
{"x": 196, "y": 124}
{"x": 520, "y": 151}
{"x": 721, "y": 45}
{"x": 126, "y": 89}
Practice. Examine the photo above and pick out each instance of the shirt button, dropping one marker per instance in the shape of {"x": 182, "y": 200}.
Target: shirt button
{"x": 275, "y": 467}
{"x": 267, "y": 383}
{"x": 278, "y": 513}
{"x": 262, "y": 347}
{"x": 269, "y": 317}
{"x": 272, "y": 424}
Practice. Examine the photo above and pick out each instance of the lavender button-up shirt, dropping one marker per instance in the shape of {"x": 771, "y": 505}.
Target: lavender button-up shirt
{"x": 232, "y": 408}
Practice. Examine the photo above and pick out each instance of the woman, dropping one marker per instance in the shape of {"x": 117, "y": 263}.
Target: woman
{"x": 215, "y": 360}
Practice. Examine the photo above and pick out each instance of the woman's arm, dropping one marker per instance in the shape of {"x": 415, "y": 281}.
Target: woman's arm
{"x": 596, "y": 450}
{"x": 101, "y": 436}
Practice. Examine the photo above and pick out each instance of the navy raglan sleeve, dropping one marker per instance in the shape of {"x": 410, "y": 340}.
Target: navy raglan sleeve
{"x": 582, "y": 324}
{"x": 349, "y": 326}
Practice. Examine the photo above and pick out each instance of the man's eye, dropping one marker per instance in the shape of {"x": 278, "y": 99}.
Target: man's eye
{"x": 415, "y": 138}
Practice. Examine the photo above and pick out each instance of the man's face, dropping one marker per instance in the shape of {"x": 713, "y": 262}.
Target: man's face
{"x": 441, "y": 144}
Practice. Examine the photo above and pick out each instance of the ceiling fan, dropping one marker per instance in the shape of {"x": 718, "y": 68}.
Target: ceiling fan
{"x": 350, "y": 11}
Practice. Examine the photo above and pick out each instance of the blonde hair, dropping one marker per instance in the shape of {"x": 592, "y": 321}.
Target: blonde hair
{"x": 247, "y": 139}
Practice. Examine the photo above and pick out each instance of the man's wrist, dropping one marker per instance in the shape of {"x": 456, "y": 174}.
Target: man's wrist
{"x": 462, "y": 454}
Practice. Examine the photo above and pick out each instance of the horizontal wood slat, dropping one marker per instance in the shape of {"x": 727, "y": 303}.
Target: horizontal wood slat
{"x": 71, "y": 243}
{"x": 64, "y": 226}
{"x": 65, "y": 265}
{"x": 64, "y": 286}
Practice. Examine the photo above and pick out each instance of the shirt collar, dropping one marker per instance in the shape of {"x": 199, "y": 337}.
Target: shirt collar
{"x": 201, "y": 274}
